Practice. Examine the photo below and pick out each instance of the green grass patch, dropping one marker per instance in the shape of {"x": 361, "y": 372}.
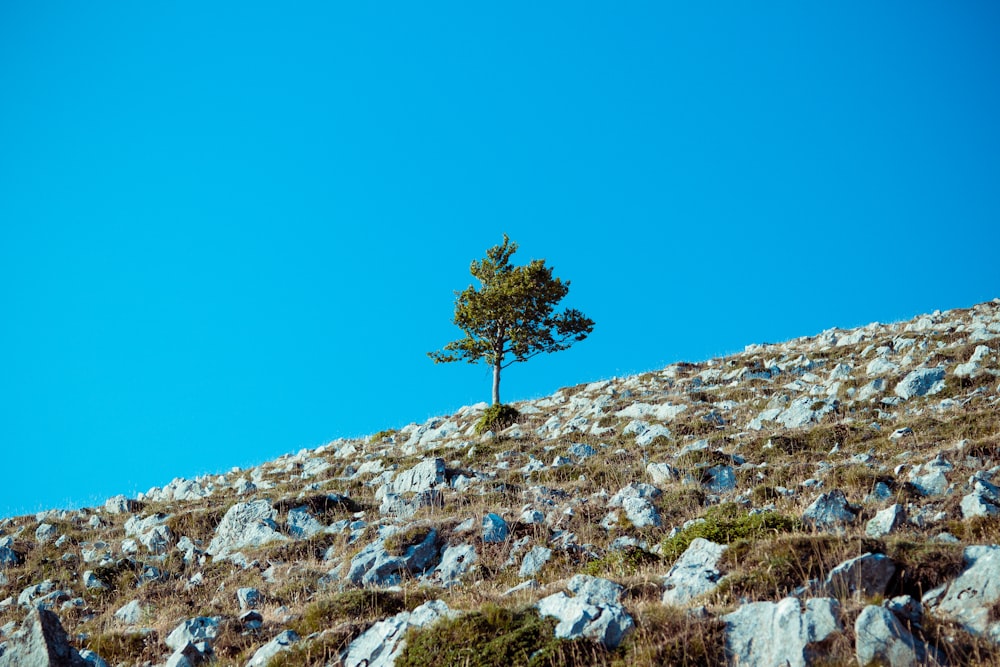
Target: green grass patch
{"x": 725, "y": 524}
{"x": 496, "y": 637}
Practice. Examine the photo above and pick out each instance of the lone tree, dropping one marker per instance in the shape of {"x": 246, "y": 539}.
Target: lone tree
{"x": 510, "y": 318}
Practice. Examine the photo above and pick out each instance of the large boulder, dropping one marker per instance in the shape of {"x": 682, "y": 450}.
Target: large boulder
{"x": 921, "y": 382}
{"x": 695, "y": 573}
{"x": 971, "y": 597}
{"x": 867, "y": 575}
{"x": 594, "y": 611}
{"x": 249, "y": 524}
{"x": 426, "y": 475}
{"x": 381, "y": 644}
{"x": 40, "y": 642}
{"x": 765, "y": 634}
{"x": 881, "y": 639}
{"x": 375, "y": 566}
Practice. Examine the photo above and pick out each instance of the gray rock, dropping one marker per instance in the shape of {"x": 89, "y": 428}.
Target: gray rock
{"x": 187, "y": 655}
{"x": 121, "y": 505}
{"x": 495, "y": 529}
{"x": 633, "y": 490}
{"x": 157, "y": 539}
{"x": 9, "y": 558}
{"x": 695, "y": 573}
{"x": 830, "y": 511}
{"x": 455, "y": 562}
{"x": 40, "y": 641}
{"x": 719, "y": 479}
{"x": 249, "y": 524}
{"x": 374, "y": 566}
{"x": 279, "y": 644}
{"x": 45, "y": 533}
{"x": 983, "y": 501}
{"x": 921, "y": 382}
{"x": 970, "y": 597}
{"x": 801, "y": 412}
{"x": 593, "y": 612}
{"x": 92, "y": 582}
{"x": 881, "y": 639}
{"x": 302, "y": 524}
{"x": 581, "y": 451}
{"x": 381, "y": 644}
{"x": 249, "y": 598}
{"x": 424, "y": 476}
{"x": 866, "y": 575}
{"x": 193, "y": 631}
{"x": 533, "y": 561}
{"x": 887, "y": 521}
{"x": 765, "y": 634}
{"x": 641, "y": 513}
{"x": 130, "y": 613}
{"x": 662, "y": 473}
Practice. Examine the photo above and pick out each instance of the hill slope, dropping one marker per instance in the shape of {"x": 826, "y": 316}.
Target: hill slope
{"x": 827, "y": 499}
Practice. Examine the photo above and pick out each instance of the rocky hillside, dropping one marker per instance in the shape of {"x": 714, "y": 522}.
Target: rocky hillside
{"x": 828, "y": 500}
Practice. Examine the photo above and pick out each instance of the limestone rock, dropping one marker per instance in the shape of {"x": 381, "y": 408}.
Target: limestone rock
{"x": 533, "y": 561}
{"x": 192, "y": 631}
{"x": 455, "y": 561}
{"x": 495, "y": 529}
{"x": 662, "y": 473}
{"x": 249, "y": 524}
{"x": 830, "y": 511}
{"x": 970, "y": 597}
{"x": 867, "y": 575}
{"x": 130, "y": 613}
{"x": 41, "y": 641}
{"x": 381, "y": 644}
{"x": 983, "y": 501}
{"x": 279, "y": 644}
{"x": 886, "y": 521}
{"x": 641, "y": 513}
{"x": 594, "y": 611}
{"x": 695, "y": 573}
{"x": 424, "y": 476}
{"x": 765, "y": 634}
{"x": 921, "y": 382}
{"x": 882, "y": 639}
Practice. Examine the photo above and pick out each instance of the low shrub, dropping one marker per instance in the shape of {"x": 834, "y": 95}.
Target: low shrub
{"x": 496, "y": 637}
{"x": 724, "y": 525}
{"x": 496, "y": 418}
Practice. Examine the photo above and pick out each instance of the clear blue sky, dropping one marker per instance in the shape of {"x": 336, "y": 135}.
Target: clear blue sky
{"x": 230, "y": 231}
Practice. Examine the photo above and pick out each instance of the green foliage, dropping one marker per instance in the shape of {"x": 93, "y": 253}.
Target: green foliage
{"x": 511, "y": 317}
{"x": 496, "y": 418}
{"x": 724, "y": 525}
{"x": 384, "y": 434}
{"x": 495, "y": 637}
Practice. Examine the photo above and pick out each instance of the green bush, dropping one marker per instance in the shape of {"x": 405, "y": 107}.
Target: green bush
{"x": 495, "y": 637}
{"x": 496, "y": 418}
{"x": 724, "y": 525}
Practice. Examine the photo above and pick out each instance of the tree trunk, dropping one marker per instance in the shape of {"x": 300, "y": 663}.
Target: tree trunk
{"x": 496, "y": 384}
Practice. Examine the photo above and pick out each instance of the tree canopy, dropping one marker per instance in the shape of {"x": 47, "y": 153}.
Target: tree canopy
{"x": 511, "y": 317}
